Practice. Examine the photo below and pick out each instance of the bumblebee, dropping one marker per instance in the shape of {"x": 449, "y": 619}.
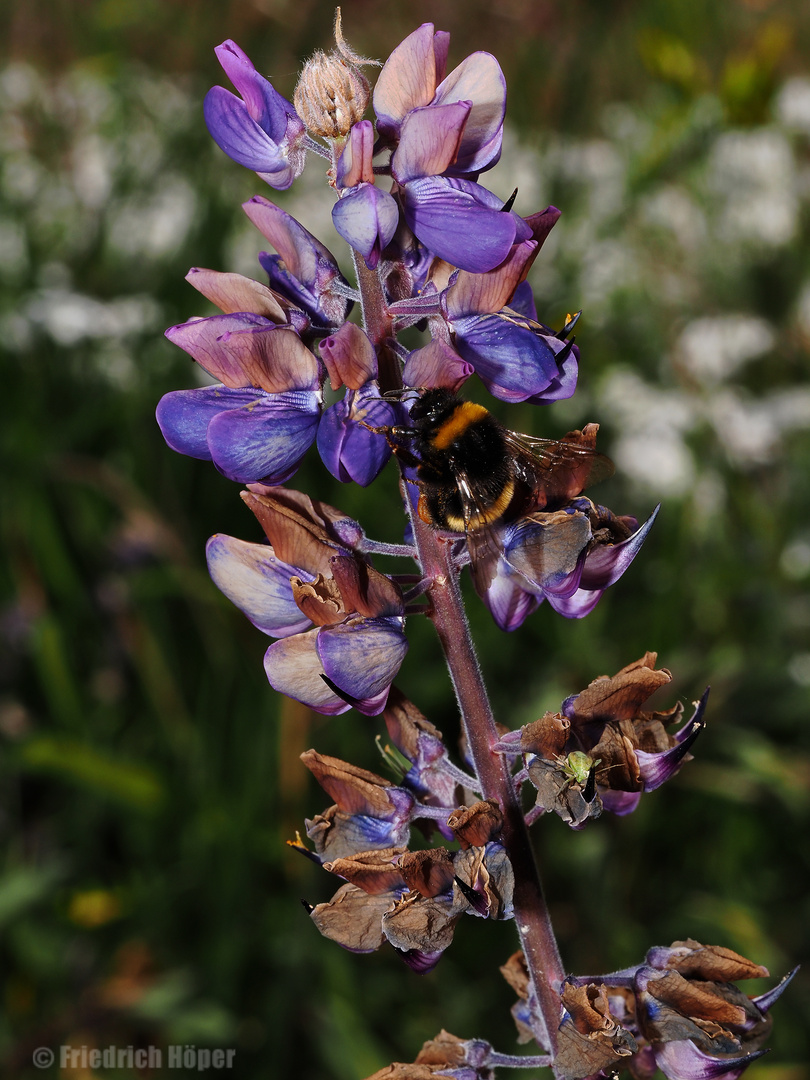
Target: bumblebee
{"x": 473, "y": 473}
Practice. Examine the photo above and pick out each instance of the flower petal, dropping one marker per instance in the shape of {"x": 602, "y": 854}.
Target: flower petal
{"x": 508, "y": 603}
{"x": 656, "y": 769}
{"x": 577, "y": 606}
{"x": 265, "y": 439}
{"x": 479, "y": 80}
{"x": 349, "y": 357}
{"x": 429, "y": 140}
{"x": 455, "y": 222}
{"x": 367, "y": 219}
{"x": 243, "y": 350}
{"x": 545, "y": 551}
{"x": 347, "y": 448}
{"x": 682, "y": 1060}
{"x": 260, "y": 131}
{"x": 184, "y": 415}
{"x": 436, "y": 364}
{"x": 353, "y": 919}
{"x": 244, "y": 141}
{"x": 619, "y": 803}
{"x": 514, "y": 358}
{"x": 263, "y": 102}
{"x": 304, "y": 268}
{"x": 258, "y": 583}
{"x": 202, "y": 340}
{"x": 303, "y": 254}
{"x": 293, "y": 667}
{"x": 235, "y": 293}
{"x": 363, "y": 658}
{"x": 562, "y": 387}
{"x": 480, "y": 294}
{"x": 409, "y": 77}
{"x": 355, "y": 164}
{"x": 764, "y": 1001}
{"x": 605, "y": 564}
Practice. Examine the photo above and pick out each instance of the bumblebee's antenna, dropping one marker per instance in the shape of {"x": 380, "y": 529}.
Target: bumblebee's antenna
{"x": 398, "y": 395}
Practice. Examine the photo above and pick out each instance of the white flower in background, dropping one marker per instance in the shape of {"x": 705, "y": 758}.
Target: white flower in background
{"x": 672, "y": 207}
{"x": 714, "y": 349}
{"x": 69, "y": 317}
{"x": 792, "y": 105}
{"x": 154, "y": 225}
{"x": 651, "y": 448}
{"x": 752, "y": 177}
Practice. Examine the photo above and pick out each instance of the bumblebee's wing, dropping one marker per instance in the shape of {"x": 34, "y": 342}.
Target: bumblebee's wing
{"x": 480, "y": 517}
{"x": 558, "y": 469}
{"x": 484, "y": 547}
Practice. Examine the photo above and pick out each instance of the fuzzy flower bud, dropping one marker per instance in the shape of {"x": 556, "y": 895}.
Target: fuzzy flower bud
{"x": 332, "y": 93}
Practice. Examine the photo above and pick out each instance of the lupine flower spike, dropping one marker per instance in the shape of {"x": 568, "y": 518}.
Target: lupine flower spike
{"x": 437, "y": 839}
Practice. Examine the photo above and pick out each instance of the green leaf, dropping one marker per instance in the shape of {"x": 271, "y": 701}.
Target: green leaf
{"x": 135, "y": 785}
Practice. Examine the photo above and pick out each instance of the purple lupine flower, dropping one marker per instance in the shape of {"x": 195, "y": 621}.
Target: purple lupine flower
{"x": 413, "y": 77}
{"x": 304, "y": 270}
{"x": 335, "y": 668}
{"x": 348, "y": 448}
{"x": 355, "y": 652}
{"x": 635, "y": 753}
{"x": 541, "y": 557}
{"x": 365, "y": 216}
{"x": 369, "y": 811}
{"x": 258, "y": 578}
{"x": 602, "y": 751}
{"x": 566, "y": 557}
{"x": 605, "y": 562}
{"x": 258, "y": 424}
{"x": 492, "y": 323}
{"x": 443, "y": 136}
{"x": 698, "y": 1024}
{"x": 431, "y": 774}
{"x": 686, "y": 1013}
{"x": 516, "y": 357}
{"x": 261, "y": 130}
{"x": 347, "y": 642}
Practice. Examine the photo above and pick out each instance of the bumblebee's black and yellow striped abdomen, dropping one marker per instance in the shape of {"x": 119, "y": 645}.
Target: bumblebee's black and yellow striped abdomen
{"x": 465, "y": 470}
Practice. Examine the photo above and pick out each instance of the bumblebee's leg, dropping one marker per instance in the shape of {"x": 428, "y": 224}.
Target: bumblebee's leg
{"x": 391, "y": 435}
{"x": 467, "y": 499}
{"x": 406, "y": 456}
{"x": 422, "y": 510}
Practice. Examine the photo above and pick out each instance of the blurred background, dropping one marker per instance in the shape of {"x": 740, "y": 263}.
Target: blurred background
{"x": 149, "y": 776}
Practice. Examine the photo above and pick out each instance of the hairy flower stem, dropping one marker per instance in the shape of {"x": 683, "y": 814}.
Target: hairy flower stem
{"x": 377, "y": 323}
{"x": 449, "y": 617}
{"x": 531, "y": 912}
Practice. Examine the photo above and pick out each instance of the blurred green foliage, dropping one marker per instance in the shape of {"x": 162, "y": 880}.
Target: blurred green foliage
{"x": 149, "y": 776}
